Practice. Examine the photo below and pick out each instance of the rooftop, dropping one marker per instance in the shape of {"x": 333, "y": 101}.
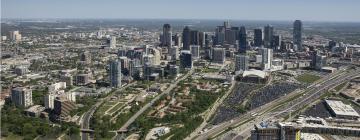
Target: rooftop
{"x": 339, "y": 108}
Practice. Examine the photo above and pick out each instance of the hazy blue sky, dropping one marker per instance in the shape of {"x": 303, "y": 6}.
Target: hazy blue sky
{"x": 314, "y": 10}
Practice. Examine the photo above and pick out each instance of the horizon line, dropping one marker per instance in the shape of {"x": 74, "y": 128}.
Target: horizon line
{"x": 214, "y": 19}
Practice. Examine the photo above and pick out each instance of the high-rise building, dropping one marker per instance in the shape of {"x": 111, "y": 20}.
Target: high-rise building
{"x": 15, "y": 36}
{"x": 195, "y": 51}
{"x": 49, "y": 101}
{"x": 67, "y": 78}
{"x": 112, "y": 42}
{"x": 124, "y": 63}
{"x": 218, "y": 55}
{"x": 268, "y": 35}
{"x": 186, "y": 38}
{"x": 147, "y": 71}
{"x": 82, "y": 79}
{"x": 174, "y": 53}
{"x": 173, "y": 70}
{"x": 166, "y": 36}
{"x": 242, "y": 40}
{"x": 194, "y": 37}
{"x": 186, "y": 59}
{"x": 297, "y": 34}
{"x": 219, "y": 35}
{"x": 241, "y": 63}
{"x": 320, "y": 61}
{"x": 148, "y": 59}
{"x": 134, "y": 64}
{"x": 258, "y": 37}
{"x": 63, "y": 107}
{"x": 115, "y": 73}
{"x": 276, "y": 42}
{"x": 202, "y": 39}
{"x": 177, "y": 40}
{"x": 226, "y": 24}
{"x": 230, "y": 36}
{"x": 267, "y": 57}
{"x": 21, "y": 96}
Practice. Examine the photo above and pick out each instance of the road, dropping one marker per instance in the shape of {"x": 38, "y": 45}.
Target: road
{"x": 148, "y": 105}
{"x": 312, "y": 92}
{"x": 211, "y": 111}
{"x": 87, "y": 115}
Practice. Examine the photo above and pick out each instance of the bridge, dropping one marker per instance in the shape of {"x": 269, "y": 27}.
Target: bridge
{"x": 87, "y": 130}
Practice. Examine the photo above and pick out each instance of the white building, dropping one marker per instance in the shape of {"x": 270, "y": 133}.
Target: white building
{"x": 241, "y": 63}
{"x": 112, "y": 42}
{"x": 49, "y": 101}
{"x": 267, "y": 57}
{"x": 15, "y": 36}
{"x": 21, "y": 96}
{"x": 54, "y": 88}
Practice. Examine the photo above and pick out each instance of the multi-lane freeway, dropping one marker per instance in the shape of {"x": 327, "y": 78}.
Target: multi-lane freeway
{"x": 285, "y": 104}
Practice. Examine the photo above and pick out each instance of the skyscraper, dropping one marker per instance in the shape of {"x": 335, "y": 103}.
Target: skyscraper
{"x": 195, "y": 51}
{"x": 276, "y": 42}
{"x": 241, "y": 62}
{"x": 21, "y": 96}
{"x": 177, "y": 40}
{"x": 218, "y": 55}
{"x": 268, "y": 35}
{"x": 258, "y": 37}
{"x": 202, "y": 39}
{"x": 226, "y": 24}
{"x": 115, "y": 73}
{"x": 230, "y": 36}
{"x": 186, "y": 38}
{"x": 297, "y": 34}
{"x": 219, "y": 35}
{"x": 242, "y": 40}
{"x": 194, "y": 37}
{"x": 166, "y": 36}
{"x": 185, "y": 59}
{"x": 267, "y": 56}
{"x": 174, "y": 53}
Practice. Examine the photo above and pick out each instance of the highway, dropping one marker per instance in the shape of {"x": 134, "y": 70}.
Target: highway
{"x": 87, "y": 115}
{"x": 297, "y": 104}
{"x": 211, "y": 111}
{"x": 148, "y": 105}
{"x": 313, "y": 92}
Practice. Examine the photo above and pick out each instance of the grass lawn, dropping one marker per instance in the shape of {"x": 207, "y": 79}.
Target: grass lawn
{"x": 116, "y": 108}
{"x": 307, "y": 78}
{"x": 339, "y": 87}
{"x": 12, "y": 136}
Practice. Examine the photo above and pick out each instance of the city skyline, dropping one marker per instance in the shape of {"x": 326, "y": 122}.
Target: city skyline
{"x": 320, "y": 10}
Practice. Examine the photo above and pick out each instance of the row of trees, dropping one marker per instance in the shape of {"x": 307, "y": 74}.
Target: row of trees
{"x": 15, "y": 122}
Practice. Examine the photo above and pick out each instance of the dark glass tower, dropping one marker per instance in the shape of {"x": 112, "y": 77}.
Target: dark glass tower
{"x": 297, "y": 34}
{"x": 186, "y": 38}
{"x": 242, "y": 40}
{"x": 268, "y": 35}
{"x": 257, "y": 37}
